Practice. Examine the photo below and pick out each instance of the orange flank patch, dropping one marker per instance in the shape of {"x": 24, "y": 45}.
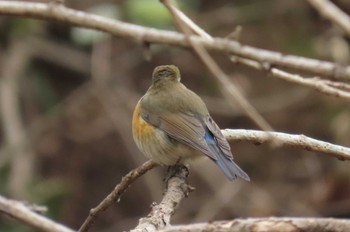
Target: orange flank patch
{"x": 139, "y": 125}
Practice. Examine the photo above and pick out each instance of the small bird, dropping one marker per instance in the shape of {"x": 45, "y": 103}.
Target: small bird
{"x": 171, "y": 124}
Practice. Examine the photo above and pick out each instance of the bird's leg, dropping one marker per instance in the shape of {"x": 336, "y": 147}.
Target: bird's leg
{"x": 174, "y": 169}
{"x": 178, "y": 170}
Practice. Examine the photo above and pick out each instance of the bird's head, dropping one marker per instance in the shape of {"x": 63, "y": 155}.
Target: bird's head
{"x": 166, "y": 72}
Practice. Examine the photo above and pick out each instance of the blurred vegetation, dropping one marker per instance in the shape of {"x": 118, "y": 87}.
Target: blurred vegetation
{"x": 78, "y": 89}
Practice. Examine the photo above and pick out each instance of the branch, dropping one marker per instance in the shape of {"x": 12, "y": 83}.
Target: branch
{"x": 330, "y": 11}
{"x": 316, "y": 84}
{"x": 298, "y": 141}
{"x": 327, "y": 87}
{"x": 140, "y": 33}
{"x": 116, "y": 193}
{"x": 336, "y": 85}
{"x": 228, "y": 89}
{"x": 177, "y": 189}
{"x": 267, "y": 224}
{"x": 324, "y": 86}
{"x": 23, "y": 213}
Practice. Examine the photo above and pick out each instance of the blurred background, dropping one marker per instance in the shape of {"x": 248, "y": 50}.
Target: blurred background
{"x": 67, "y": 96}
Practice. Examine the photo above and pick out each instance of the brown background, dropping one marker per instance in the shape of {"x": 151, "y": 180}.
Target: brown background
{"x": 76, "y": 101}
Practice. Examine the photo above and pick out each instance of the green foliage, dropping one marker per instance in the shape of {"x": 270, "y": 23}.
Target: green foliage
{"x": 148, "y": 13}
{"x": 152, "y": 13}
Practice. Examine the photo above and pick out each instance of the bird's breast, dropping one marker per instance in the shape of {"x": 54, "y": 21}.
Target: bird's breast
{"x": 156, "y": 144}
{"x": 140, "y": 126}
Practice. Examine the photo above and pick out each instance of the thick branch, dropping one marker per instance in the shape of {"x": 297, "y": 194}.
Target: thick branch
{"x": 267, "y": 224}
{"x": 160, "y": 215}
{"x": 23, "y": 213}
{"x": 139, "y": 33}
{"x": 298, "y": 141}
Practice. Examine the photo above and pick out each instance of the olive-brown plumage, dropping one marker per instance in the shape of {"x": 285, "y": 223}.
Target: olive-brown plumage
{"x": 172, "y": 124}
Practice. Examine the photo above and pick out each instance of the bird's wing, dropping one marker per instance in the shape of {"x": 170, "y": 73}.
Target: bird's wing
{"x": 185, "y": 128}
{"x": 219, "y": 137}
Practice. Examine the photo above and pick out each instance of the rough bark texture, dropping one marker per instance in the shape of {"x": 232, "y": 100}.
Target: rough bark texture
{"x": 269, "y": 224}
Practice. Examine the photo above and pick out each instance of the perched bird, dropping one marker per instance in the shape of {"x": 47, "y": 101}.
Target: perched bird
{"x": 172, "y": 124}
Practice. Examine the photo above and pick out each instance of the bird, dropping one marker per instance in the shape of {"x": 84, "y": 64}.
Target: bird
{"x": 171, "y": 124}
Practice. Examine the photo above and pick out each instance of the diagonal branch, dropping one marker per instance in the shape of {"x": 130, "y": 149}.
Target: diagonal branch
{"x": 324, "y": 86}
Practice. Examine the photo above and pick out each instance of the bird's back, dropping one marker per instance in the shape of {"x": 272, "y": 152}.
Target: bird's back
{"x": 173, "y": 98}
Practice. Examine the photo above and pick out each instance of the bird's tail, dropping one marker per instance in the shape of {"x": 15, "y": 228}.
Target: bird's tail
{"x": 230, "y": 168}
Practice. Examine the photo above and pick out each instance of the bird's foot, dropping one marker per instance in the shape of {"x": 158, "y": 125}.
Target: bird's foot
{"x": 178, "y": 171}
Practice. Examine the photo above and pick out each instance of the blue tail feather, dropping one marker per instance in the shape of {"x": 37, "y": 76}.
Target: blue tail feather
{"x": 230, "y": 168}
{"x": 227, "y": 165}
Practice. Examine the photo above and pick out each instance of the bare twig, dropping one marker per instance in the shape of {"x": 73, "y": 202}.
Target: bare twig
{"x": 267, "y": 224}
{"x": 337, "y": 85}
{"x": 24, "y": 214}
{"x": 332, "y": 12}
{"x": 330, "y": 88}
{"x": 117, "y": 28}
{"x": 299, "y": 141}
{"x": 313, "y": 83}
{"x": 186, "y": 20}
{"x": 116, "y": 193}
{"x": 40, "y": 209}
{"x": 177, "y": 189}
